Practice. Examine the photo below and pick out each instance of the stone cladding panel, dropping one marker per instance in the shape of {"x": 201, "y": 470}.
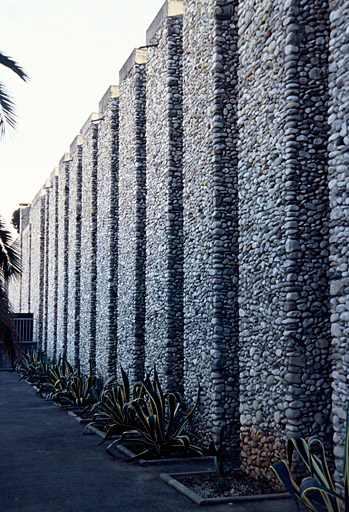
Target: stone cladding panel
{"x": 14, "y": 285}
{"x": 210, "y": 213}
{"x": 283, "y": 226}
{"x": 52, "y": 271}
{"x": 306, "y": 328}
{"x": 131, "y": 244}
{"x": 37, "y": 222}
{"x": 164, "y": 215}
{"x": 63, "y": 239}
{"x": 74, "y": 251}
{"x": 24, "y": 221}
{"x": 25, "y": 260}
{"x": 24, "y": 217}
{"x": 88, "y": 266}
{"x": 107, "y": 234}
{"x": 46, "y": 267}
{"x": 339, "y": 221}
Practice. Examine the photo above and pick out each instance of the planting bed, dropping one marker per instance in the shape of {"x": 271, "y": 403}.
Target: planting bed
{"x": 132, "y": 450}
{"x": 204, "y": 487}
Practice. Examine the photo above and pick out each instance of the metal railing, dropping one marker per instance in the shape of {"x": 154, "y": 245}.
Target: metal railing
{"x": 24, "y": 324}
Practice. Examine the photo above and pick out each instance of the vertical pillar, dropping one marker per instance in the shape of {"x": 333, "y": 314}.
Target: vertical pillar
{"x": 52, "y": 278}
{"x": 164, "y": 211}
{"x": 131, "y": 244}
{"x": 88, "y": 265}
{"x": 74, "y": 251}
{"x": 283, "y": 244}
{"x": 107, "y": 232}
{"x": 37, "y": 222}
{"x": 25, "y": 260}
{"x": 339, "y": 216}
{"x": 46, "y": 267}
{"x": 210, "y": 213}
{"x": 63, "y": 247}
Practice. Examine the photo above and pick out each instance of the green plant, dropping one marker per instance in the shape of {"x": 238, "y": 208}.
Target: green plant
{"x": 160, "y": 426}
{"x": 113, "y": 408}
{"x": 316, "y": 491}
{"x": 217, "y": 450}
{"x": 72, "y": 389}
{"x": 30, "y": 366}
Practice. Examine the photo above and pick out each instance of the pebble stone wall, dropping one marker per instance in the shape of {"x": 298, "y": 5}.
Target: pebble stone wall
{"x": 284, "y": 330}
{"x": 62, "y": 271}
{"x": 200, "y": 222}
{"x": 261, "y": 121}
{"x": 37, "y": 223}
{"x": 14, "y": 286}
{"x": 210, "y": 213}
{"x": 307, "y": 327}
{"x": 43, "y": 341}
{"x": 88, "y": 262}
{"x": 131, "y": 244}
{"x": 52, "y": 270}
{"x": 164, "y": 215}
{"x": 74, "y": 251}
{"x": 107, "y": 233}
{"x": 339, "y": 220}
{"x": 25, "y": 280}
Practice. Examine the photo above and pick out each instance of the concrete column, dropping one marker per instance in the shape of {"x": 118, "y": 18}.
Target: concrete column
{"x": 107, "y": 232}
{"x": 132, "y": 192}
{"x": 88, "y": 265}
{"x": 283, "y": 244}
{"x": 46, "y": 266}
{"x": 37, "y": 222}
{"x": 25, "y": 260}
{"x": 210, "y": 213}
{"x": 164, "y": 210}
{"x": 74, "y": 251}
{"x": 52, "y": 292}
{"x": 63, "y": 248}
{"x": 339, "y": 227}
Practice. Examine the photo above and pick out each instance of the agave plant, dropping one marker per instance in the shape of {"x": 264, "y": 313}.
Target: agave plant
{"x": 160, "y": 426}
{"x": 72, "y": 389}
{"x": 316, "y": 491}
{"x": 29, "y": 366}
{"x": 217, "y": 450}
{"x": 113, "y": 409}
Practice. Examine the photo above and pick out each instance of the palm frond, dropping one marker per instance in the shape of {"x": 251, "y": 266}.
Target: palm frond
{"x": 7, "y": 110}
{"x": 10, "y": 260}
{"x": 13, "y": 66}
{"x": 8, "y": 115}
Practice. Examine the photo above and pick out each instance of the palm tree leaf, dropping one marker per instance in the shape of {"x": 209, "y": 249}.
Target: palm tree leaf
{"x": 13, "y": 66}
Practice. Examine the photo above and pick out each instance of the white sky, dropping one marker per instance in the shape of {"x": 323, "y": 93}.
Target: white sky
{"x": 72, "y": 51}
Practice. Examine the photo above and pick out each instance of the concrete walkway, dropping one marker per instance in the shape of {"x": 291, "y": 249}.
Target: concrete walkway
{"x": 47, "y": 465}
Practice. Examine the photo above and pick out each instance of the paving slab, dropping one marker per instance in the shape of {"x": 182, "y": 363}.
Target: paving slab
{"x": 48, "y": 465}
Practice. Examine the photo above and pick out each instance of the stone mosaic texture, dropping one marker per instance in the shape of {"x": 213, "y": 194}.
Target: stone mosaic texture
{"x": 52, "y": 270}
{"x": 210, "y": 212}
{"x": 107, "y": 233}
{"x": 338, "y": 178}
{"x": 26, "y": 268}
{"x": 131, "y": 241}
{"x": 164, "y": 207}
{"x": 200, "y": 223}
{"x": 63, "y": 248}
{"x": 88, "y": 261}
{"x": 74, "y": 251}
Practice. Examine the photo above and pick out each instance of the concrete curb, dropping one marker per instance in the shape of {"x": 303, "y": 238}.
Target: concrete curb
{"x": 196, "y": 498}
{"x": 155, "y": 462}
{"x": 76, "y": 417}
